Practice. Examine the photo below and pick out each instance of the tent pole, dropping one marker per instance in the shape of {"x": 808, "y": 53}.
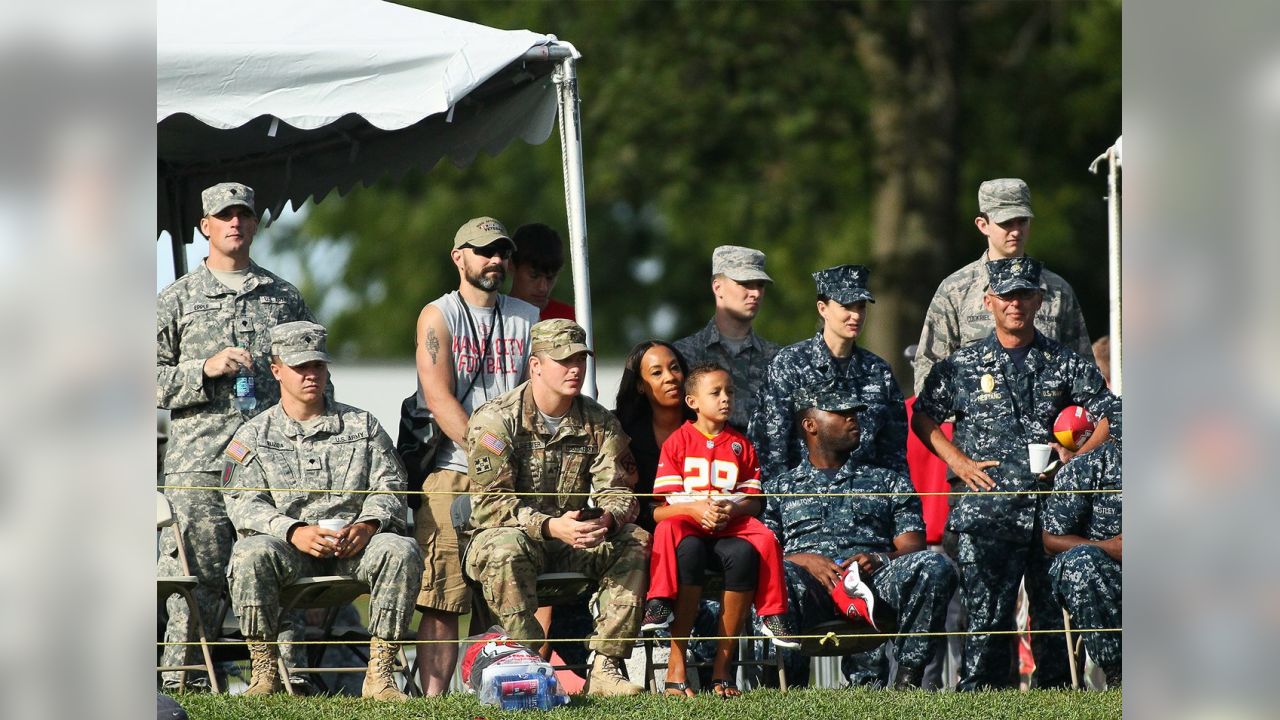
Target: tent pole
{"x": 566, "y": 79}
{"x": 1114, "y": 255}
{"x": 1117, "y": 299}
{"x": 176, "y": 240}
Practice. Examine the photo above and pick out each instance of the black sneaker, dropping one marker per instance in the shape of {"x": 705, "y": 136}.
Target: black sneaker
{"x": 658, "y": 615}
{"x": 779, "y": 630}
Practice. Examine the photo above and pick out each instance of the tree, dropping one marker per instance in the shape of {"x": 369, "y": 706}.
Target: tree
{"x": 821, "y": 133}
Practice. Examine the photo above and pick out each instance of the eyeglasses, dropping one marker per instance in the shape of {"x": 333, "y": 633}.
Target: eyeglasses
{"x": 502, "y": 251}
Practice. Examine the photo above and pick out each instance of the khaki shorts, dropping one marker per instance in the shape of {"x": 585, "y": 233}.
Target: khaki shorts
{"x": 442, "y": 585}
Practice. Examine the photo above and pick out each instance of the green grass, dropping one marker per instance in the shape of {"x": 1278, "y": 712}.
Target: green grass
{"x": 755, "y": 705}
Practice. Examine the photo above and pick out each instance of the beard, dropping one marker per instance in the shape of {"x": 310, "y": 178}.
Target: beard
{"x": 487, "y": 280}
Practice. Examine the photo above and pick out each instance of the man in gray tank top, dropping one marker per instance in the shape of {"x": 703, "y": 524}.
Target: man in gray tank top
{"x": 472, "y": 345}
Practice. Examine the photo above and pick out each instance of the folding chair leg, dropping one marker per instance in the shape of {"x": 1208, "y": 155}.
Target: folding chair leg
{"x": 782, "y": 670}
{"x": 1071, "y": 649}
{"x": 194, "y": 608}
{"x": 650, "y": 672}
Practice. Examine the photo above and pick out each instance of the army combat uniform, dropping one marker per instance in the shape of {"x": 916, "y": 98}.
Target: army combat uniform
{"x": 512, "y": 453}
{"x": 345, "y": 449}
{"x": 196, "y": 317}
{"x": 864, "y": 376}
{"x": 1085, "y": 579}
{"x": 1001, "y": 407}
{"x": 915, "y": 588}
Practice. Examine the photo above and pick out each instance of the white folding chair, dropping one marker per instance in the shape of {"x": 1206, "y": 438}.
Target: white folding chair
{"x": 185, "y": 586}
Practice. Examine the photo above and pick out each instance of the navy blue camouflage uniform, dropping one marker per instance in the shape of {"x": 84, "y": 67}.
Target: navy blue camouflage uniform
{"x": 915, "y": 588}
{"x": 1085, "y": 579}
{"x": 864, "y": 376}
{"x": 999, "y": 408}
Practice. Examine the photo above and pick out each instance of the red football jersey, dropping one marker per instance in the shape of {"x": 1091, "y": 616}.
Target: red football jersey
{"x": 693, "y": 466}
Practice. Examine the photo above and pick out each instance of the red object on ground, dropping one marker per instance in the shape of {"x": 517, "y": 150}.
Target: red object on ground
{"x": 556, "y": 309}
{"x": 568, "y": 679}
{"x": 928, "y": 474}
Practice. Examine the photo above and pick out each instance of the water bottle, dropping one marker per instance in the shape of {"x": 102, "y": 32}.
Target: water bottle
{"x": 244, "y": 397}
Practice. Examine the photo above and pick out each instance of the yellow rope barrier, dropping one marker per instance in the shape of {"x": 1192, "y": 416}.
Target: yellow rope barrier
{"x": 343, "y": 491}
{"x": 821, "y": 638}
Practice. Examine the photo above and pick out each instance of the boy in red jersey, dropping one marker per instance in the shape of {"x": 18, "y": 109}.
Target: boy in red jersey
{"x": 707, "y": 474}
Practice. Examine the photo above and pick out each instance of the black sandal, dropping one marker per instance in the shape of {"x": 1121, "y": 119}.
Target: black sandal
{"x": 725, "y": 689}
{"x": 677, "y": 689}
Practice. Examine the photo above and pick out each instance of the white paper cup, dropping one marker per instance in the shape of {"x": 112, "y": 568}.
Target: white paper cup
{"x": 1039, "y": 454}
{"x": 334, "y": 524}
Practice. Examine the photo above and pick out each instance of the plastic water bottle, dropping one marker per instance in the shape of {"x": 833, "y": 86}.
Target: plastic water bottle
{"x": 528, "y": 691}
{"x": 244, "y": 397}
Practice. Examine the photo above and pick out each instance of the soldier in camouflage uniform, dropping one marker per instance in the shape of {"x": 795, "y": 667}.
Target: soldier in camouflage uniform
{"x": 1083, "y": 533}
{"x": 884, "y": 535}
{"x": 544, "y": 437}
{"x": 1005, "y": 392}
{"x": 210, "y": 323}
{"x": 307, "y": 442}
{"x": 832, "y": 356}
{"x": 957, "y": 316}
{"x": 738, "y": 282}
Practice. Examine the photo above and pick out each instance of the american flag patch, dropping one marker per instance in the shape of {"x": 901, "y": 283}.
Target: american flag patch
{"x": 493, "y": 443}
{"x": 236, "y": 451}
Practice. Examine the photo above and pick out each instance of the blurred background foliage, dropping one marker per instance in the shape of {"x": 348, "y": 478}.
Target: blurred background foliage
{"x": 819, "y": 132}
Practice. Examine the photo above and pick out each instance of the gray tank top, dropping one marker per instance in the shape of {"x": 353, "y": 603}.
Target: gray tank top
{"x": 493, "y": 355}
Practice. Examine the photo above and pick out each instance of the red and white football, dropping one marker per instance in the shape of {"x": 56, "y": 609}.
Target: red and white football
{"x": 1073, "y": 427}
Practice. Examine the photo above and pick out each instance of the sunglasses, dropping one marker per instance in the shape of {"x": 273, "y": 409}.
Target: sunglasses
{"x": 503, "y": 251}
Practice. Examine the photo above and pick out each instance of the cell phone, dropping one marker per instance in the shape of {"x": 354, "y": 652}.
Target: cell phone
{"x": 591, "y": 513}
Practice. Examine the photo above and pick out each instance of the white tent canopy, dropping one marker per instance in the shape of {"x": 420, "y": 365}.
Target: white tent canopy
{"x": 299, "y": 97}
{"x": 296, "y": 98}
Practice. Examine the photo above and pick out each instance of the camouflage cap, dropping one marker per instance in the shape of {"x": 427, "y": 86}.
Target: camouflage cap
{"x": 296, "y": 343}
{"x": 223, "y": 195}
{"x": 1009, "y": 274}
{"x": 844, "y": 283}
{"x": 479, "y": 232}
{"x": 826, "y": 396}
{"x": 1004, "y": 199}
{"x": 740, "y": 264}
{"x": 558, "y": 338}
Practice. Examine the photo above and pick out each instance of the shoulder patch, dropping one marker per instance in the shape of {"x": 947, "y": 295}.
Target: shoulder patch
{"x": 229, "y": 473}
{"x": 237, "y": 451}
{"x": 483, "y": 465}
{"x": 493, "y": 443}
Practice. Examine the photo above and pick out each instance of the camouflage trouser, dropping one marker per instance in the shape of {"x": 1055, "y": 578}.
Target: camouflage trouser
{"x": 990, "y": 571}
{"x": 207, "y": 536}
{"x": 915, "y": 588}
{"x": 390, "y": 565}
{"x": 1087, "y": 582}
{"x": 506, "y": 562}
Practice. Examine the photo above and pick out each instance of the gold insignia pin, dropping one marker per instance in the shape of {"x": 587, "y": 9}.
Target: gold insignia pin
{"x": 988, "y": 383}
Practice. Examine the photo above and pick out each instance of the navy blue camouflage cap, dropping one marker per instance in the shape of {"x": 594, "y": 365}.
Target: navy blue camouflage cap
{"x": 826, "y": 396}
{"x": 224, "y": 195}
{"x": 1009, "y": 274}
{"x": 1004, "y": 199}
{"x": 845, "y": 284}
{"x": 300, "y": 342}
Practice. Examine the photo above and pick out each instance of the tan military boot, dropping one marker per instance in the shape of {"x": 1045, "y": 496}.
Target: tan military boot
{"x": 606, "y": 678}
{"x": 380, "y": 679}
{"x": 266, "y": 673}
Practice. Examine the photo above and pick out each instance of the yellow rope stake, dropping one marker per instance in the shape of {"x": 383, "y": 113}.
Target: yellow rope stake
{"x": 831, "y": 636}
{"x": 654, "y": 495}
